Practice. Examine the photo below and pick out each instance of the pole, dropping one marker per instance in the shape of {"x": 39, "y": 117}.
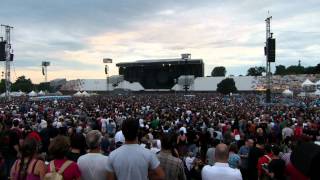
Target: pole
{"x": 46, "y": 74}
{"x": 7, "y": 62}
{"x": 268, "y": 65}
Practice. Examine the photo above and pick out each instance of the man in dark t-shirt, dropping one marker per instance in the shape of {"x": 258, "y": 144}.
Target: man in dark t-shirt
{"x": 254, "y": 154}
{"x": 277, "y": 166}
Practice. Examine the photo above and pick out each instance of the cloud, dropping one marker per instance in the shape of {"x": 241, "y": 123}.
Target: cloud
{"x": 76, "y": 35}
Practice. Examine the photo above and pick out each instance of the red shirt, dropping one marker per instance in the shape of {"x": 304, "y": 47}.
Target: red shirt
{"x": 263, "y": 160}
{"x": 72, "y": 172}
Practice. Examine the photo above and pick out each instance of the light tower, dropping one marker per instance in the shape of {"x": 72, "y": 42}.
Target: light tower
{"x": 45, "y": 65}
{"x": 270, "y": 53}
{"x": 8, "y": 58}
{"x": 107, "y": 61}
{"x": 186, "y": 58}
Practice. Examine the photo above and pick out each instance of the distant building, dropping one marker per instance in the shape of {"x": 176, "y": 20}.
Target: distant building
{"x": 56, "y": 84}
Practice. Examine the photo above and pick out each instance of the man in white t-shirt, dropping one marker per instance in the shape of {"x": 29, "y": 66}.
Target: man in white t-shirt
{"x": 131, "y": 161}
{"x": 93, "y": 165}
{"x": 221, "y": 169}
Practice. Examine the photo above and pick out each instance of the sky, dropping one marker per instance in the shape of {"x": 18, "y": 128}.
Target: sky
{"x": 75, "y": 35}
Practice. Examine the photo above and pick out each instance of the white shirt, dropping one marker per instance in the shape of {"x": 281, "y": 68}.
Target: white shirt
{"x": 287, "y": 132}
{"x": 119, "y": 137}
{"x": 93, "y": 166}
{"x": 220, "y": 171}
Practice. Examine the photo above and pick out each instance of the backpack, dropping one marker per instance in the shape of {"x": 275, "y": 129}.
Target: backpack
{"x": 53, "y": 174}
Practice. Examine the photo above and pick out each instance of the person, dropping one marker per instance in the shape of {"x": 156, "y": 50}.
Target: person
{"x": 244, "y": 153}
{"x": 254, "y": 154}
{"x": 221, "y": 169}
{"x": 182, "y": 142}
{"x": 264, "y": 161}
{"x": 210, "y": 152}
{"x": 276, "y": 168}
{"x": 78, "y": 146}
{"x": 234, "y": 158}
{"x": 58, "y": 149}
{"x": 131, "y": 161}
{"x": 93, "y": 165}
{"x": 172, "y": 166}
{"x": 287, "y": 132}
{"x": 28, "y": 167}
{"x": 9, "y": 148}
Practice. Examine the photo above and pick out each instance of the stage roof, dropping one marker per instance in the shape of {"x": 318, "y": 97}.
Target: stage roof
{"x": 159, "y": 62}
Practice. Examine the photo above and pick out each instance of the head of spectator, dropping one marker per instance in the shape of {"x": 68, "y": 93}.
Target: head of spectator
{"x": 59, "y": 147}
{"x": 249, "y": 143}
{"x": 222, "y": 153}
{"x": 166, "y": 142}
{"x": 130, "y": 130}
{"x": 93, "y": 140}
{"x": 28, "y": 149}
{"x": 233, "y": 148}
{"x": 275, "y": 150}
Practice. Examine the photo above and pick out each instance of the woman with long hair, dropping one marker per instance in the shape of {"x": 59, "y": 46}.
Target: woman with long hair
{"x": 28, "y": 167}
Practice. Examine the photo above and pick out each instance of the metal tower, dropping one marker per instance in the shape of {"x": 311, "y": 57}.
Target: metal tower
{"x": 7, "y": 62}
{"x": 268, "y": 64}
{"x": 45, "y": 64}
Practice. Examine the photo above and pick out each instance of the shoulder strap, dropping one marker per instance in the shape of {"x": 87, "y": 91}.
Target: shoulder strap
{"x": 52, "y": 167}
{"x": 16, "y": 165}
{"x": 34, "y": 165}
{"x": 268, "y": 158}
{"x": 64, "y": 166}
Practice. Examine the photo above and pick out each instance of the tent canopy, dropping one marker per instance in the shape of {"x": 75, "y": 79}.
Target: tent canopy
{"x": 32, "y": 93}
{"x": 287, "y": 92}
{"x": 41, "y": 93}
{"x": 78, "y": 94}
{"x": 317, "y": 92}
{"x": 307, "y": 82}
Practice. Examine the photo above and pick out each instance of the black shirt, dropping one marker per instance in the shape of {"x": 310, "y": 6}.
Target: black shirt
{"x": 277, "y": 166}
{"x": 253, "y": 157}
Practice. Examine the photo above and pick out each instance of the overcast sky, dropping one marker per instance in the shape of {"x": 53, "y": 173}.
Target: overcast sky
{"x": 75, "y": 35}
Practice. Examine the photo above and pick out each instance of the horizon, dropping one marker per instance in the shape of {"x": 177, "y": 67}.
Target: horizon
{"x": 76, "y": 35}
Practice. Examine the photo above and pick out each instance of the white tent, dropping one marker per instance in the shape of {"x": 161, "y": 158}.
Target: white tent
{"x": 32, "y": 93}
{"x": 21, "y": 93}
{"x": 58, "y": 93}
{"x": 78, "y": 94}
{"x": 307, "y": 82}
{"x": 318, "y": 84}
{"x": 317, "y": 93}
{"x": 15, "y": 94}
{"x": 287, "y": 92}
{"x": 85, "y": 94}
{"x": 41, "y": 93}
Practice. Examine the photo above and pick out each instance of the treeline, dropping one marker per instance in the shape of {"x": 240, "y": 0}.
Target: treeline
{"x": 220, "y": 71}
{"x": 25, "y": 85}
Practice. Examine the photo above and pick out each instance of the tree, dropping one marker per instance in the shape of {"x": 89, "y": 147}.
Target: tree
{"x": 310, "y": 70}
{"x": 280, "y": 70}
{"x": 295, "y": 70}
{"x": 22, "y": 84}
{"x": 44, "y": 86}
{"x": 256, "y": 71}
{"x": 219, "y": 71}
{"x": 227, "y": 86}
{"x": 2, "y": 86}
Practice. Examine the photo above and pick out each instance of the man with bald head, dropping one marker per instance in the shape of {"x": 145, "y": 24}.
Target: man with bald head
{"x": 221, "y": 169}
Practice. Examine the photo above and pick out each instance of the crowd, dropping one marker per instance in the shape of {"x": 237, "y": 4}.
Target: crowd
{"x": 166, "y": 136}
